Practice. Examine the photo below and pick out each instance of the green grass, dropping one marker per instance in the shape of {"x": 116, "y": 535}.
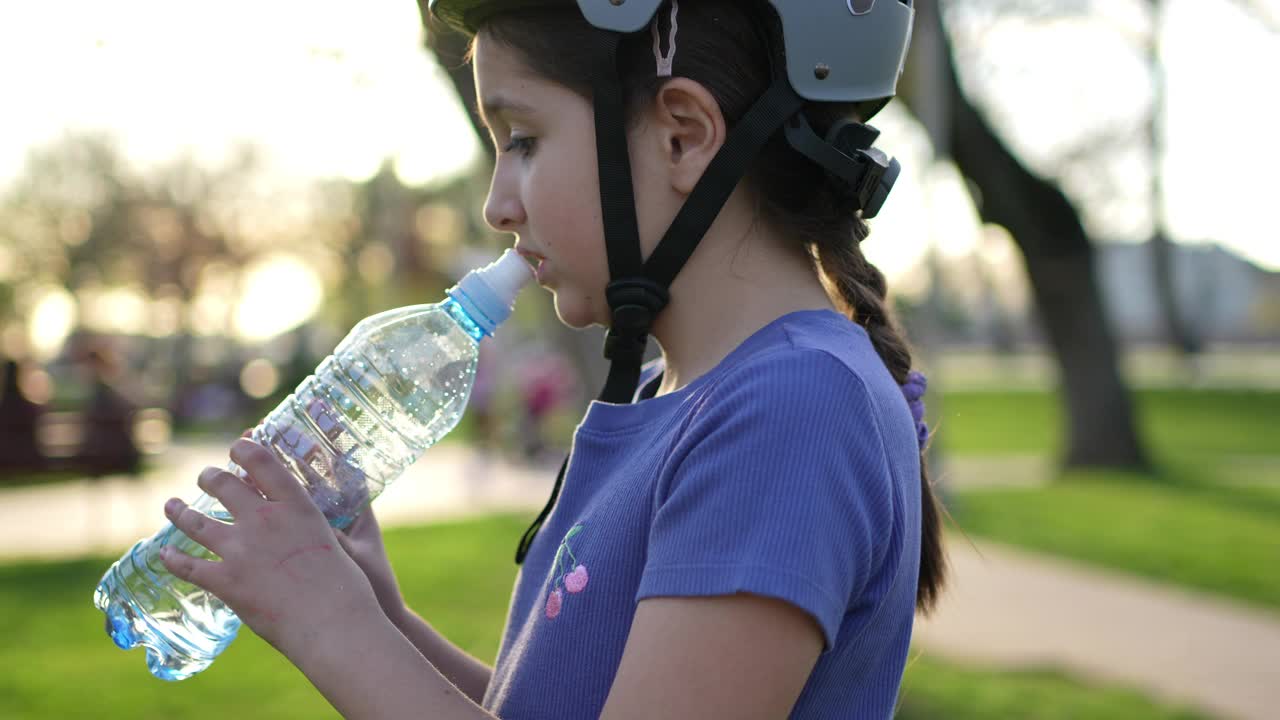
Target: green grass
{"x": 1174, "y": 422}
{"x": 59, "y": 664}
{"x": 1221, "y": 540}
{"x": 31, "y": 478}
{"x": 1207, "y": 516}
{"x": 932, "y": 690}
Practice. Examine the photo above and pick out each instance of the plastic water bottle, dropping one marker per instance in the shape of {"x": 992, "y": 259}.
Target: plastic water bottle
{"x": 395, "y": 385}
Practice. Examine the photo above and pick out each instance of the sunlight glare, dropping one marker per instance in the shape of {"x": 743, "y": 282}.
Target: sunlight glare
{"x": 324, "y": 89}
{"x": 117, "y": 310}
{"x": 280, "y": 293}
{"x": 52, "y": 317}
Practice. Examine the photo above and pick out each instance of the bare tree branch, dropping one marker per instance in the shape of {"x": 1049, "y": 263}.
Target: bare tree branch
{"x": 1268, "y": 16}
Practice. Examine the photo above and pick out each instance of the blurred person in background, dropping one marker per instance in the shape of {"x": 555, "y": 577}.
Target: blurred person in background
{"x": 19, "y": 417}
{"x": 547, "y": 382}
{"x": 107, "y": 446}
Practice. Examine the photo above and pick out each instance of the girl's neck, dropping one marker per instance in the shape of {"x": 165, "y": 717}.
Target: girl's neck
{"x": 738, "y": 281}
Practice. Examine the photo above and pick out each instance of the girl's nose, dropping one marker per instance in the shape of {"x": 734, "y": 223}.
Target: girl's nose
{"x": 503, "y": 210}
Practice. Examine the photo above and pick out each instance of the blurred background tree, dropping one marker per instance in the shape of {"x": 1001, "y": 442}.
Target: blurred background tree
{"x": 1039, "y": 201}
{"x": 1057, "y": 252}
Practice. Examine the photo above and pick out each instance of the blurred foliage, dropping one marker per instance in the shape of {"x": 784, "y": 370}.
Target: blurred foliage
{"x": 458, "y": 576}
{"x": 79, "y": 217}
{"x": 181, "y": 242}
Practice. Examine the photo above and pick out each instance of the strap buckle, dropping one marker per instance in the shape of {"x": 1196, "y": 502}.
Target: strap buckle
{"x": 846, "y": 153}
{"x": 635, "y": 303}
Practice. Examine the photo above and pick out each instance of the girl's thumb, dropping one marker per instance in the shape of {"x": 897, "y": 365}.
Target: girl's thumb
{"x": 344, "y": 541}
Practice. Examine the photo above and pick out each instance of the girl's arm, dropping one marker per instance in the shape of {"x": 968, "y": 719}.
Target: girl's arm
{"x": 366, "y": 668}
{"x": 363, "y": 542}
{"x": 469, "y": 674}
{"x": 730, "y": 656}
{"x": 283, "y": 572}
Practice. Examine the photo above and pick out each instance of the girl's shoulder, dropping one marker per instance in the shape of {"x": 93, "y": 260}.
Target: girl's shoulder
{"x": 807, "y": 352}
{"x": 801, "y": 366}
{"x": 818, "y": 370}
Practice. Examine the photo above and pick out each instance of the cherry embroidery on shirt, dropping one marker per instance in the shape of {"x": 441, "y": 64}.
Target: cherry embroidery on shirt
{"x": 554, "y": 601}
{"x": 569, "y": 572}
{"x": 576, "y": 581}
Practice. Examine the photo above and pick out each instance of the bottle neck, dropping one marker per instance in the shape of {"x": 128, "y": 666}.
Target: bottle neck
{"x": 464, "y": 319}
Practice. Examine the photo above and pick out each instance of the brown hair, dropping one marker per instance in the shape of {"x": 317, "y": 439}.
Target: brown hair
{"x": 721, "y": 44}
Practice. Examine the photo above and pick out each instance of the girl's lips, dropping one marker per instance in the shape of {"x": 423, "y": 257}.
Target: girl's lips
{"x": 537, "y": 261}
{"x": 531, "y": 256}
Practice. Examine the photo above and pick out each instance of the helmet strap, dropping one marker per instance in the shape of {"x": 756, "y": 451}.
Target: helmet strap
{"x": 638, "y": 289}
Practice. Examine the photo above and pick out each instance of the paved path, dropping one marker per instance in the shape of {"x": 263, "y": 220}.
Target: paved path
{"x": 1004, "y": 608}
{"x": 71, "y": 519}
{"x": 1010, "y": 608}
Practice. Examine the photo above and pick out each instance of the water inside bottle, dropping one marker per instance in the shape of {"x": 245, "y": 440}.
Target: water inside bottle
{"x": 370, "y": 410}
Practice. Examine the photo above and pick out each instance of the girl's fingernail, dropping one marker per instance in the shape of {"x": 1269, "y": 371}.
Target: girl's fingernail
{"x": 164, "y": 552}
{"x": 172, "y": 506}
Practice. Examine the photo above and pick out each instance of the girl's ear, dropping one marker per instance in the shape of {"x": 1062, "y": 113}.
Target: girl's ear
{"x": 691, "y": 130}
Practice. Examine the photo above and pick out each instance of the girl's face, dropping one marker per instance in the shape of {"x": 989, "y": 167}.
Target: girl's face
{"x": 545, "y": 186}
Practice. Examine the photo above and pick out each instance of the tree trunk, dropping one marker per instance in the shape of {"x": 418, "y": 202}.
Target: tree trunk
{"x": 1060, "y": 263}
{"x": 1184, "y": 338}
{"x": 1180, "y": 332}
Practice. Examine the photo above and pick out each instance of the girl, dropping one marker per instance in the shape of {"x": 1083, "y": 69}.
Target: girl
{"x": 754, "y": 534}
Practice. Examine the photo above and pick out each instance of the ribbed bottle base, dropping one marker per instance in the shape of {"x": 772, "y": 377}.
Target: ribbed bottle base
{"x": 129, "y": 625}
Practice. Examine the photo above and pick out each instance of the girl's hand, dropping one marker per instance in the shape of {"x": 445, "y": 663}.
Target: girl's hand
{"x": 363, "y": 542}
{"x": 282, "y": 570}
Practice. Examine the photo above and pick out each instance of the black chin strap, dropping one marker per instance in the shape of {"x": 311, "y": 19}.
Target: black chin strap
{"x": 638, "y": 290}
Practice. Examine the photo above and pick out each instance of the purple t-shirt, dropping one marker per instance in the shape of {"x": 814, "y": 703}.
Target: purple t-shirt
{"x": 791, "y": 470}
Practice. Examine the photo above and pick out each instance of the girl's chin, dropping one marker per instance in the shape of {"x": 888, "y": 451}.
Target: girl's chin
{"x": 572, "y": 313}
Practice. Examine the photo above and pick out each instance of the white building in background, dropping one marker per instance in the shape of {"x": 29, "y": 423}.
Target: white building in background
{"x": 1225, "y": 297}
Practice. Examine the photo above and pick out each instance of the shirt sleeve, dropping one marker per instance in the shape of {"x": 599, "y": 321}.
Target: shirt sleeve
{"x": 780, "y": 487}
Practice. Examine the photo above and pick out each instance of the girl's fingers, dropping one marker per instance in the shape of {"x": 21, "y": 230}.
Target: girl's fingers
{"x": 203, "y": 573}
{"x": 366, "y": 525}
{"x": 267, "y": 472}
{"x": 197, "y": 526}
{"x": 345, "y": 542}
{"x": 234, "y": 494}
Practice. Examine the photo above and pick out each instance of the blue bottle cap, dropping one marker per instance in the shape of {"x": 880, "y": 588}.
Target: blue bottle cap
{"x": 488, "y": 293}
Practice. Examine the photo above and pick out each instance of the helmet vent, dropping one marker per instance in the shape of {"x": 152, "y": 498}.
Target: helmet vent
{"x": 860, "y": 7}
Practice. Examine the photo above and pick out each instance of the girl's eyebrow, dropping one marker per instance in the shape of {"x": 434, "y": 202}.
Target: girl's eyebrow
{"x": 498, "y": 104}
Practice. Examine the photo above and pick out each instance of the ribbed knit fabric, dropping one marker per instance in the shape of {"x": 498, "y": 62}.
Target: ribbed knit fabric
{"x": 791, "y": 470}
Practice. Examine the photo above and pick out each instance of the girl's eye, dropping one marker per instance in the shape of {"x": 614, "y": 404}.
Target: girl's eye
{"x": 522, "y": 144}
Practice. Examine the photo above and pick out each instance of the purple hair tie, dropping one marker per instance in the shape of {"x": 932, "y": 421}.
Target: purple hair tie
{"x": 914, "y": 389}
